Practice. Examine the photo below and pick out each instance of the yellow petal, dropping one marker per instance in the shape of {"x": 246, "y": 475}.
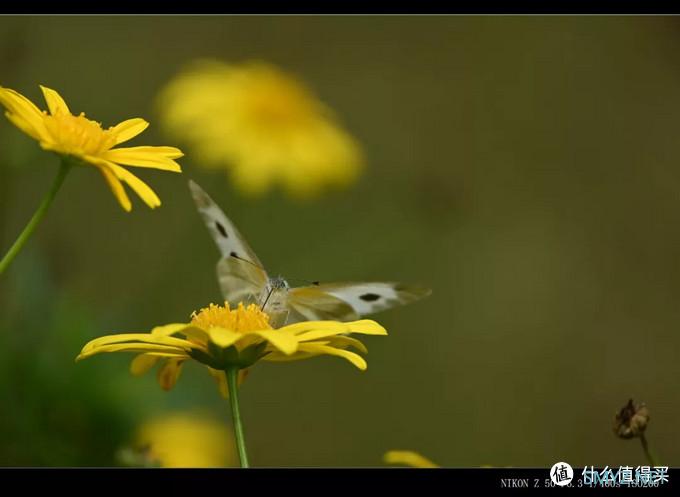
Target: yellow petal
{"x": 187, "y": 330}
{"x": 51, "y": 146}
{"x": 168, "y": 373}
{"x": 152, "y": 157}
{"x": 223, "y": 337}
{"x": 142, "y": 189}
{"x": 242, "y": 375}
{"x": 116, "y": 188}
{"x": 23, "y": 125}
{"x": 168, "y": 329}
{"x": 54, "y": 101}
{"x": 408, "y": 458}
{"x": 314, "y": 335}
{"x": 285, "y": 342}
{"x": 329, "y": 328}
{"x": 132, "y": 347}
{"x": 16, "y": 103}
{"x": 221, "y": 379}
{"x": 22, "y": 107}
{"x": 143, "y": 363}
{"x": 128, "y": 129}
{"x": 132, "y": 338}
{"x": 197, "y": 334}
{"x": 366, "y": 327}
{"x": 168, "y": 355}
{"x": 319, "y": 349}
{"x": 275, "y": 356}
{"x": 344, "y": 342}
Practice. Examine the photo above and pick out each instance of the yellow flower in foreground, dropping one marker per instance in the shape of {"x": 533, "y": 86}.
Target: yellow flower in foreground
{"x": 186, "y": 440}
{"x": 263, "y": 125}
{"x": 221, "y": 338}
{"x": 88, "y": 143}
{"x": 408, "y": 458}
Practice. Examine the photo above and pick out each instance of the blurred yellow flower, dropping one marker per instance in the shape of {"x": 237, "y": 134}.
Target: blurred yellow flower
{"x": 408, "y": 458}
{"x": 222, "y": 338}
{"x": 183, "y": 440}
{"x": 88, "y": 143}
{"x": 262, "y": 124}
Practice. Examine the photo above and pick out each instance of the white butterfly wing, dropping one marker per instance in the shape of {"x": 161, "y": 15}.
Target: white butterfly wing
{"x": 239, "y": 271}
{"x": 309, "y": 303}
{"x": 240, "y": 281}
{"x": 371, "y": 297}
{"x": 228, "y": 239}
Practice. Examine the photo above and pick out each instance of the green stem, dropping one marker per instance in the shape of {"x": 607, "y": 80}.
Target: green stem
{"x": 232, "y": 382}
{"x": 37, "y": 217}
{"x": 645, "y": 446}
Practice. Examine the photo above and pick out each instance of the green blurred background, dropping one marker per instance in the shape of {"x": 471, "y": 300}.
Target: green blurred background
{"x": 526, "y": 168}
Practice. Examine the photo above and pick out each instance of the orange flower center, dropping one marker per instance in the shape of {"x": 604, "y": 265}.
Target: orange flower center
{"x": 241, "y": 319}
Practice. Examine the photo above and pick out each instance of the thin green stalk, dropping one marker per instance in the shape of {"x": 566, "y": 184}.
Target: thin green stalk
{"x": 645, "y": 446}
{"x": 37, "y": 217}
{"x": 232, "y": 382}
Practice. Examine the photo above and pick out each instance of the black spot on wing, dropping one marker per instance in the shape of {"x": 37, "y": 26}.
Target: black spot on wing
{"x": 369, "y": 297}
{"x": 221, "y": 229}
{"x": 234, "y": 254}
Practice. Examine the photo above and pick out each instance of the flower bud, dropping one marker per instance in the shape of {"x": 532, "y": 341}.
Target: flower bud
{"x": 631, "y": 421}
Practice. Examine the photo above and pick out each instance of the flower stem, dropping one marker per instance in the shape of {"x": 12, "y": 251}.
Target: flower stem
{"x": 232, "y": 382}
{"x": 37, "y": 217}
{"x": 645, "y": 446}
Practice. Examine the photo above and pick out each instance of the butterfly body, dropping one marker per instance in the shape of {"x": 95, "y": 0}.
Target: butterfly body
{"x": 242, "y": 278}
{"x": 273, "y": 300}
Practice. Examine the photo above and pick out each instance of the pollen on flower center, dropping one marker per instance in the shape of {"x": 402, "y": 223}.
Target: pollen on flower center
{"x": 78, "y": 135}
{"x": 241, "y": 319}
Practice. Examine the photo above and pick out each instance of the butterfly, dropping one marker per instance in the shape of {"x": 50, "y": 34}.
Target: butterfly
{"x": 242, "y": 278}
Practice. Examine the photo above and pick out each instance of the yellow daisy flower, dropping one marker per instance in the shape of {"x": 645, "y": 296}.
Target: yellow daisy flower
{"x": 227, "y": 341}
{"x": 263, "y": 125}
{"x": 77, "y": 137}
{"x": 408, "y": 458}
{"x": 184, "y": 440}
{"x": 221, "y": 338}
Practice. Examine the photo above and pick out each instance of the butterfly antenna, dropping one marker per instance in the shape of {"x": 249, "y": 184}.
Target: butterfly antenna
{"x": 267, "y": 299}
{"x": 307, "y": 282}
{"x": 245, "y": 260}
